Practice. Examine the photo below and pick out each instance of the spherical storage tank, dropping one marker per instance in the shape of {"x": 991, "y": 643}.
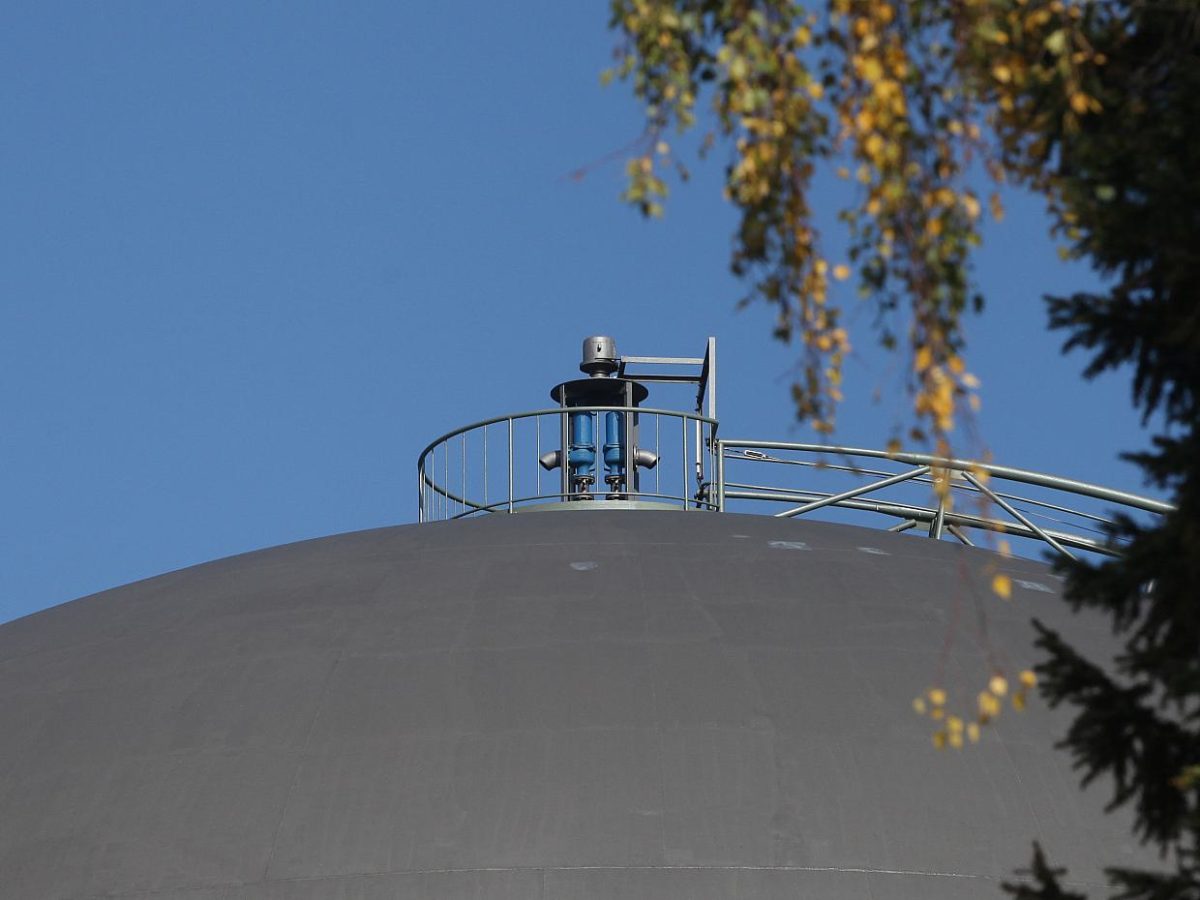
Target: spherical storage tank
{"x": 596, "y": 697}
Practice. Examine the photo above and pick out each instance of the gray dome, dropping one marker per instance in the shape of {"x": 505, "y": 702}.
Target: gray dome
{"x": 560, "y": 705}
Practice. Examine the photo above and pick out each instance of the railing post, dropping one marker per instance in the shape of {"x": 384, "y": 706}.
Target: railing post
{"x": 684, "y": 463}
{"x": 939, "y": 520}
{"x": 658, "y": 455}
{"x": 510, "y": 464}
{"x": 719, "y": 475}
{"x": 564, "y": 465}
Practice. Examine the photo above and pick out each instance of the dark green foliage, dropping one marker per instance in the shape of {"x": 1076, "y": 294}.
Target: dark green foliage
{"x": 1131, "y": 184}
{"x": 1045, "y": 886}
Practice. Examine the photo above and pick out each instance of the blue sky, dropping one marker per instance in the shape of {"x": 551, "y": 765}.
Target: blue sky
{"x": 254, "y": 256}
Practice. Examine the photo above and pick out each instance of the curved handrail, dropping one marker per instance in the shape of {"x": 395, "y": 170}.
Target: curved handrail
{"x": 445, "y": 495}
{"x": 563, "y": 410}
{"x": 855, "y": 470}
{"x": 975, "y": 476}
{"x": 939, "y": 462}
{"x": 912, "y": 515}
{"x": 704, "y": 457}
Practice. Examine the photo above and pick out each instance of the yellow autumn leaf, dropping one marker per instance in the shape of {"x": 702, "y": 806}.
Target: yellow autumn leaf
{"x": 873, "y": 146}
{"x": 1002, "y": 73}
{"x": 989, "y": 706}
{"x": 841, "y": 272}
{"x": 919, "y": 706}
{"x": 997, "y": 207}
{"x": 1018, "y": 701}
{"x": 939, "y": 739}
{"x": 923, "y": 359}
{"x": 1081, "y": 103}
{"x": 1056, "y": 42}
{"x": 1002, "y": 586}
{"x": 937, "y": 696}
{"x": 998, "y": 685}
{"x": 973, "y": 732}
{"x": 956, "y": 739}
{"x": 815, "y": 90}
{"x": 1028, "y": 678}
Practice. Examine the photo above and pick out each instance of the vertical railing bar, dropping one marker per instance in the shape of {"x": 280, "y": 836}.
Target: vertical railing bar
{"x": 712, "y": 470}
{"x": 537, "y": 456}
{"x": 720, "y": 465}
{"x": 463, "y": 492}
{"x": 446, "y": 479}
{"x": 939, "y": 519}
{"x": 420, "y": 491}
{"x": 564, "y": 473}
{"x": 658, "y": 453}
{"x": 626, "y": 449}
{"x": 510, "y": 464}
{"x": 684, "y": 463}
{"x": 485, "y": 467}
{"x": 712, "y": 473}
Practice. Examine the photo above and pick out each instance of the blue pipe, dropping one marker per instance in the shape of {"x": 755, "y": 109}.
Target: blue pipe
{"x": 582, "y": 455}
{"x": 614, "y": 443}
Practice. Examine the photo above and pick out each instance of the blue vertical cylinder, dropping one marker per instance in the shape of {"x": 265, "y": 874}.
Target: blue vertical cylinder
{"x": 582, "y": 455}
{"x": 614, "y": 443}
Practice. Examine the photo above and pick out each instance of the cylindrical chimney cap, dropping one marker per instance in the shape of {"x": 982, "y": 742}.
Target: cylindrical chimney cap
{"x": 599, "y": 356}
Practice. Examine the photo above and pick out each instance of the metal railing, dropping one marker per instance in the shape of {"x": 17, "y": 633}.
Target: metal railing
{"x": 1039, "y": 512}
{"x": 495, "y": 465}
